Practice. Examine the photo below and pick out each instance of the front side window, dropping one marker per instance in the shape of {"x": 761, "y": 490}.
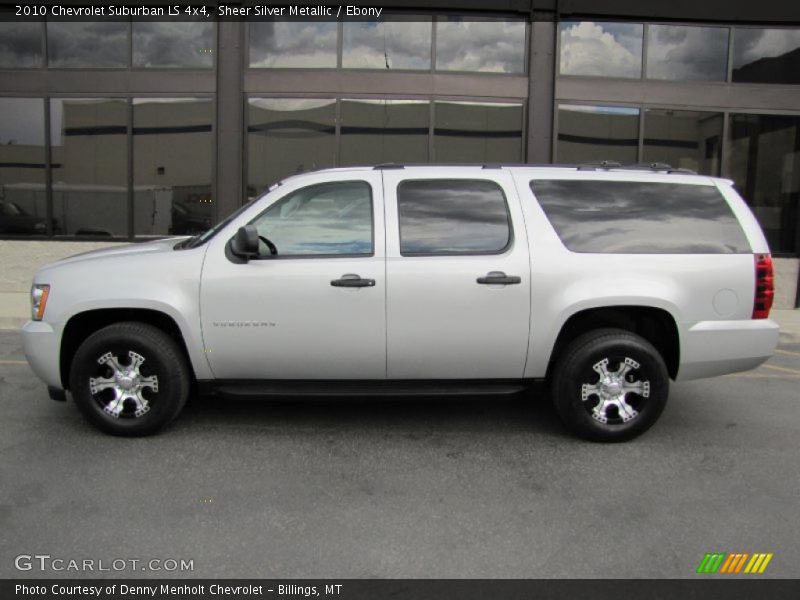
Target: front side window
{"x": 452, "y": 216}
{"x": 329, "y": 219}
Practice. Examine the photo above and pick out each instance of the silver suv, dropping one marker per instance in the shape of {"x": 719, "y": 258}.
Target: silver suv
{"x": 606, "y": 282}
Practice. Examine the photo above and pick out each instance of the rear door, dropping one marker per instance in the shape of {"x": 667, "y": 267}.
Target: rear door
{"x": 458, "y": 275}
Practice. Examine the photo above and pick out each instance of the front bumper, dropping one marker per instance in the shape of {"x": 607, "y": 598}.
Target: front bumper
{"x": 41, "y": 346}
{"x": 711, "y": 348}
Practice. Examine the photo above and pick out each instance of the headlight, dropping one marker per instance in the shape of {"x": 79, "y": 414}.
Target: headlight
{"x": 39, "y": 294}
{"x": 39, "y": 226}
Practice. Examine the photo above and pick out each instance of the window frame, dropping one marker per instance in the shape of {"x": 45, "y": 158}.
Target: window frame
{"x": 509, "y": 242}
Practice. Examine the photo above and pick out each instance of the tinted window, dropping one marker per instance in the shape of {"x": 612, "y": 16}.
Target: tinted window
{"x": 285, "y": 44}
{"x": 173, "y": 45}
{"x": 683, "y": 138}
{"x": 477, "y": 132}
{"x": 594, "y": 133}
{"x": 286, "y": 136}
{"x": 172, "y": 189}
{"x": 326, "y": 219}
{"x": 601, "y": 49}
{"x": 765, "y": 164}
{"x": 23, "y": 198}
{"x": 628, "y": 217}
{"x": 89, "y": 145}
{"x": 487, "y": 45}
{"x": 20, "y": 45}
{"x": 380, "y": 131}
{"x": 454, "y": 216}
{"x": 387, "y": 44}
{"x": 766, "y": 55}
{"x": 687, "y": 53}
{"x": 87, "y": 44}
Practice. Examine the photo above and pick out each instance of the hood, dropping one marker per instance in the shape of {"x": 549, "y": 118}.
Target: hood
{"x": 156, "y": 246}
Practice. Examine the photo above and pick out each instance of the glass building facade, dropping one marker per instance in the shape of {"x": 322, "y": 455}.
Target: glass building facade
{"x": 129, "y": 130}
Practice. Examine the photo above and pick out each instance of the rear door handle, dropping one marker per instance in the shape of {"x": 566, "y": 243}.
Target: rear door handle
{"x": 351, "y": 280}
{"x": 498, "y": 278}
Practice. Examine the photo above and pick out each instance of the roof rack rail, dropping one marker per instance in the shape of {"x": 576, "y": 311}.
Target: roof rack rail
{"x": 386, "y": 166}
{"x": 602, "y": 164}
{"x": 660, "y": 166}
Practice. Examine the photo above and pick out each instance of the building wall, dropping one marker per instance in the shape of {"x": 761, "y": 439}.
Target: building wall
{"x": 108, "y": 139}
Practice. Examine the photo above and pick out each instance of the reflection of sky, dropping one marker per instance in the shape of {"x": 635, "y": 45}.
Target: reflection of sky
{"x": 293, "y": 44}
{"x": 486, "y": 45}
{"x": 87, "y": 44}
{"x": 387, "y": 45}
{"x": 601, "y": 49}
{"x": 175, "y": 44}
{"x": 607, "y": 110}
{"x": 630, "y": 217}
{"x": 20, "y": 45}
{"x": 22, "y": 121}
{"x": 687, "y": 53}
{"x": 451, "y": 216}
{"x": 751, "y": 44}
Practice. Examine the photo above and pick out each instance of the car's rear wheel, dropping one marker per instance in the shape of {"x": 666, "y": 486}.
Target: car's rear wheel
{"x": 129, "y": 379}
{"x": 610, "y": 385}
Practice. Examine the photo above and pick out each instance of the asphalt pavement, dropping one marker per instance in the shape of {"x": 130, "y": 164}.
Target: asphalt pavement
{"x": 431, "y": 487}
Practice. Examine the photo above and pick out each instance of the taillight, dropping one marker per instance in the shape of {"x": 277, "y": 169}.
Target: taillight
{"x": 765, "y": 286}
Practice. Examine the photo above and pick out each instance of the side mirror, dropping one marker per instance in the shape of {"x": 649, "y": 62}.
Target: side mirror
{"x": 245, "y": 243}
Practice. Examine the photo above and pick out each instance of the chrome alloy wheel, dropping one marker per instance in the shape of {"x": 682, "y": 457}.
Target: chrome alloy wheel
{"x": 120, "y": 392}
{"x": 612, "y": 390}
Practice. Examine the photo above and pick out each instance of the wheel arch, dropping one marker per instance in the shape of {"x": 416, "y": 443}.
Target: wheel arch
{"x": 656, "y": 325}
{"x": 81, "y": 325}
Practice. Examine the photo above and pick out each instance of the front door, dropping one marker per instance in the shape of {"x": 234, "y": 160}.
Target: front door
{"x": 314, "y": 310}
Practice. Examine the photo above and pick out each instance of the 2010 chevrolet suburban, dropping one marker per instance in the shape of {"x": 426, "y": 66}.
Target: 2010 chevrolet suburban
{"x": 607, "y": 282}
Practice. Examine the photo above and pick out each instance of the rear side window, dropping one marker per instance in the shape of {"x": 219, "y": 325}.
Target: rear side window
{"x": 630, "y": 217}
{"x": 452, "y": 216}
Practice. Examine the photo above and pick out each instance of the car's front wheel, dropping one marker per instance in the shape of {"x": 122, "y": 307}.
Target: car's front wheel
{"x": 610, "y": 385}
{"x": 129, "y": 378}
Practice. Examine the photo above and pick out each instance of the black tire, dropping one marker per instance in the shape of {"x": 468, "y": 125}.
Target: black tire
{"x": 583, "y": 408}
{"x": 162, "y": 360}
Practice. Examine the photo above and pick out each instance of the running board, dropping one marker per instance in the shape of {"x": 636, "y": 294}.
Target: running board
{"x": 321, "y": 388}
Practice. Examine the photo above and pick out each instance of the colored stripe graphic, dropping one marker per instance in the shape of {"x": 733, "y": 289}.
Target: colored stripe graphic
{"x": 711, "y": 563}
{"x": 734, "y": 562}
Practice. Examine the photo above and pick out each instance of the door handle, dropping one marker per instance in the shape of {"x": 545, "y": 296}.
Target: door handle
{"x": 498, "y": 278}
{"x": 351, "y": 280}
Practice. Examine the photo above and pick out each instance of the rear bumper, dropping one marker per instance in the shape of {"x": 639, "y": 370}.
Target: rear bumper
{"x": 41, "y": 346}
{"x": 711, "y": 348}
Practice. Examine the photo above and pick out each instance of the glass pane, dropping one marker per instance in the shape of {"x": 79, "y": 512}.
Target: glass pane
{"x": 286, "y": 136}
{"x": 90, "y": 165}
{"x": 766, "y": 55}
{"x": 23, "y": 204}
{"x": 387, "y": 44}
{"x": 173, "y": 144}
{"x": 494, "y": 45}
{"x": 601, "y": 49}
{"x": 382, "y": 131}
{"x": 282, "y": 44}
{"x": 178, "y": 44}
{"x": 20, "y": 45}
{"x": 594, "y": 133}
{"x": 640, "y": 217}
{"x": 683, "y": 138}
{"x": 687, "y": 53}
{"x": 87, "y": 44}
{"x": 478, "y": 133}
{"x": 326, "y": 219}
{"x": 765, "y": 164}
{"x": 456, "y": 216}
